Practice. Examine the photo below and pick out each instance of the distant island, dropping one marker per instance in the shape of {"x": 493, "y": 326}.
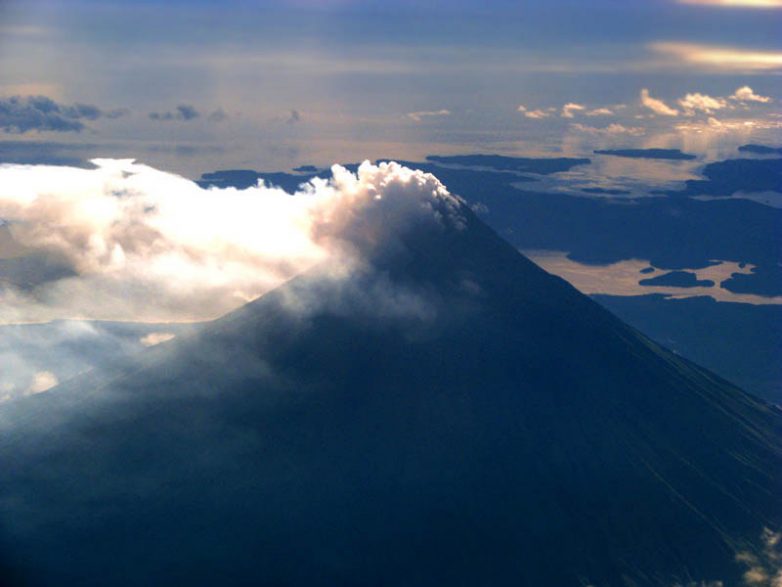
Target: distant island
{"x": 677, "y": 279}
{"x": 760, "y": 149}
{"x": 542, "y": 165}
{"x": 725, "y": 178}
{"x": 670, "y": 154}
{"x": 765, "y": 280}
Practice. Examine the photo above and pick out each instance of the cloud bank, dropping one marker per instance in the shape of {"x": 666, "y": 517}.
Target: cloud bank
{"x": 43, "y": 381}
{"x": 143, "y": 245}
{"x": 747, "y": 94}
{"x": 720, "y": 58}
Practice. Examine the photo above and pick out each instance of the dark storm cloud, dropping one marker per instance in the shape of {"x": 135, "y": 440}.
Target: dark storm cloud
{"x": 184, "y": 112}
{"x": 21, "y": 114}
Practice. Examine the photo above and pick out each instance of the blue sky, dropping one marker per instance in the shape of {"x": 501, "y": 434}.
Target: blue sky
{"x": 280, "y": 83}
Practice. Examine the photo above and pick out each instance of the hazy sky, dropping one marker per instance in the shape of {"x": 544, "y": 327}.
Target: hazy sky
{"x": 196, "y": 85}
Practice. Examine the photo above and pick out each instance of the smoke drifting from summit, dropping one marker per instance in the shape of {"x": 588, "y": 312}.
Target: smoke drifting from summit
{"x": 128, "y": 242}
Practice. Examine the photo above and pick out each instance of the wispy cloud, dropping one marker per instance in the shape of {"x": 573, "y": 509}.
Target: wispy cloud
{"x": 764, "y": 568}
{"x": 736, "y": 3}
{"x": 611, "y": 129}
{"x": 144, "y": 245}
{"x": 570, "y": 109}
{"x": 419, "y": 116}
{"x": 156, "y": 338}
{"x": 600, "y": 112}
{"x": 536, "y": 114}
{"x": 655, "y": 105}
{"x": 729, "y": 58}
{"x": 218, "y": 115}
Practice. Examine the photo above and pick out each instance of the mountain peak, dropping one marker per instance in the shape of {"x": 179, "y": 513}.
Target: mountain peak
{"x": 370, "y": 211}
{"x": 441, "y": 412}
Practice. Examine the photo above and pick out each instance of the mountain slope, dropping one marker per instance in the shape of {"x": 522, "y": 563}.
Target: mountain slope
{"x": 450, "y": 414}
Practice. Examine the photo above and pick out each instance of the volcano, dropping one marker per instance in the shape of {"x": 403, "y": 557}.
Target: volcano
{"x": 446, "y": 413}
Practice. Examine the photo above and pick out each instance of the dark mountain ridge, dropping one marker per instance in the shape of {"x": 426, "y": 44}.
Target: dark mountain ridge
{"x": 450, "y": 414}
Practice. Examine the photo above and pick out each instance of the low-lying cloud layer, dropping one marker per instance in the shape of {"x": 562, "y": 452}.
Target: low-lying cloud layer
{"x": 720, "y": 58}
{"x": 134, "y": 243}
{"x": 424, "y": 114}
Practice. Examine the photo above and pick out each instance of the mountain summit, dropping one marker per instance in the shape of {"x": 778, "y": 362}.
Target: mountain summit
{"x": 436, "y": 411}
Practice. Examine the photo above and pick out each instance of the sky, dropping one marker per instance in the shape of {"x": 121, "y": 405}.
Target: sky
{"x": 190, "y": 87}
{"x": 202, "y": 85}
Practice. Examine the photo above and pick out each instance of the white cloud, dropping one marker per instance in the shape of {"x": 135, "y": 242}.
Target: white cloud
{"x": 611, "y": 129}
{"x": 570, "y": 109}
{"x": 5, "y": 392}
{"x": 419, "y": 116}
{"x": 155, "y": 338}
{"x": 600, "y": 112}
{"x": 42, "y": 381}
{"x": 536, "y": 114}
{"x": 715, "y": 57}
{"x": 656, "y": 106}
{"x": 697, "y": 102}
{"x": 150, "y": 246}
{"x": 747, "y": 94}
